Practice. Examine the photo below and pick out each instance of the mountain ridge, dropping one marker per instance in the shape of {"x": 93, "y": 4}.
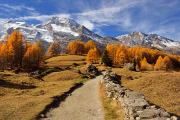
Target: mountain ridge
{"x": 66, "y": 29}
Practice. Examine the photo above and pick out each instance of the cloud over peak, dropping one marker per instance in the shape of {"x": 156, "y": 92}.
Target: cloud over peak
{"x": 160, "y": 16}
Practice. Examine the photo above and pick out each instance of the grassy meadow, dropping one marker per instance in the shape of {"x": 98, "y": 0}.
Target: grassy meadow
{"x": 23, "y": 97}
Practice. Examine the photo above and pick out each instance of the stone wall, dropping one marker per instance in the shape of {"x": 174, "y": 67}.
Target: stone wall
{"x": 134, "y": 104}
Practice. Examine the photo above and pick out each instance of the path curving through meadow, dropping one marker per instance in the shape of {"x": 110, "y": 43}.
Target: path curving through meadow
{"x": 83, "y": 104}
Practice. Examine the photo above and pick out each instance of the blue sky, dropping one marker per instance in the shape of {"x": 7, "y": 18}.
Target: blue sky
{"x": 105, "y": 17}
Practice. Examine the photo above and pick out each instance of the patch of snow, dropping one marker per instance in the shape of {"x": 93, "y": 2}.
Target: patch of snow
{"x": 121, "y": 36}
{"x": 171, "y": 44}
{"x": 157, "y": 46}
{"x": 47, "y": 37}
{"x": 63, "y": 29}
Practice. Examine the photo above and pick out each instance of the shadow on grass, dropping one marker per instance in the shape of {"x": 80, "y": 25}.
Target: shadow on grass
{"x": 7, "y": 84}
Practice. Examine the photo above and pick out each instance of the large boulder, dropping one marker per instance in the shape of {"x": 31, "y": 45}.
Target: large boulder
{"x": 91, "y": 69}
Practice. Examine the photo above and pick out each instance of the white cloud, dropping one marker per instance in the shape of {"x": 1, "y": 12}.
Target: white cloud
{"x": 42, "y": 18}
{"x": 10, "y": 9}
{"x": 127, "y": 15}
{"x": 171, "y": 32}
{"x": 87, "y": 24}
{"x": 109, "y": 15}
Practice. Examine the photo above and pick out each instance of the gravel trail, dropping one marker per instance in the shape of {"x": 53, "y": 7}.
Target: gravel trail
{"x": 83, "y": 104}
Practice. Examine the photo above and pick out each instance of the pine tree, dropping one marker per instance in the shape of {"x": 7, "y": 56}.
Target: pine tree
{"x": 106, "y": 59}
{"x": 111, "y": 49}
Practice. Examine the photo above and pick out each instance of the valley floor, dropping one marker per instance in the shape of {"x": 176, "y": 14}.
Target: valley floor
{"x": 23, "y": 97}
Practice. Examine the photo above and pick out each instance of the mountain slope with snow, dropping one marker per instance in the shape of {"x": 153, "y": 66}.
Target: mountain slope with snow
{"x": 64, "y": 30}
{"x": 150, "y": 40}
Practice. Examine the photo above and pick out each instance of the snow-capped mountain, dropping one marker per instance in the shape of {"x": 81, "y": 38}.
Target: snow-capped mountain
{"x": 150, "y": 40}
{"x": 56, "y": 29}
{"x": 65, "y": 30}
{"x": 61, "y": 29}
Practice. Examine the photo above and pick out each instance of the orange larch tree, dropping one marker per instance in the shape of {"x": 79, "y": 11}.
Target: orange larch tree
{"x": 76, "y": 47}
{"x": 159, "y": 63}
{"x": 167, "y": 63}
{"x": 90, "y": 45}
{"x": 145, "y": 65}
{"x": 120, "y": 58}
{"x": 93, "y": 56}
{"x": 111, "y": 49}
{"x": 32, "y": 57}
{"x": 15, "y": 45}
{"x": 3, "y": 56}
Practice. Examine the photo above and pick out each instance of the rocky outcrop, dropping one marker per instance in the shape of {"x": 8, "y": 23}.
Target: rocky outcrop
{"x": 92, "y": 70}
{"x": 134, "y": 104}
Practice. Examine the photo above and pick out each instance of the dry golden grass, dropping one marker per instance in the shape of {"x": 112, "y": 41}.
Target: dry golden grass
{"x": 65, "y": 60}
{"x": 159, "y": 87}
{"x": 27, "y": 103}
{"x": 63, "y": 75}
{"x": 22, "y": 104}
{"x": 112, "y": 109}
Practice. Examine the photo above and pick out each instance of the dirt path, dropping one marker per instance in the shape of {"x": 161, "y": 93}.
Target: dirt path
{"x": 83, "y": 104}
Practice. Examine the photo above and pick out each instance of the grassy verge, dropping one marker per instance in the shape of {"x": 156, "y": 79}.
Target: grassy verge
{"x": 112, "y": 109}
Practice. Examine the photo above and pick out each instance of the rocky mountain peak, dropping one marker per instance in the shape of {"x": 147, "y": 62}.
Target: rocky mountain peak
{"x": 66, "y": 29}
{"x": 63, "y": 21}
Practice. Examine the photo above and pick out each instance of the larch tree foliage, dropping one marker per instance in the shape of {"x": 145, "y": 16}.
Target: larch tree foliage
{"x": 54, "y": 49}
{"x": 16, "y": 52}
{"x": 163, "y": 63}
{"x": 145, "y": 65}
{"x": 76, "y": 47}
{"x": 0, "y": 53}
{"x": 167, "y": 63}
{"x": 93, "y": 56}
{"x": 3, "y": 56}
{"x": 15, "y": 46}
{"x": 32, "y": 57}
{"x": 121, "y": 56}
{"x": 90, "y": 45}
{"x": 159, "y": 63}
